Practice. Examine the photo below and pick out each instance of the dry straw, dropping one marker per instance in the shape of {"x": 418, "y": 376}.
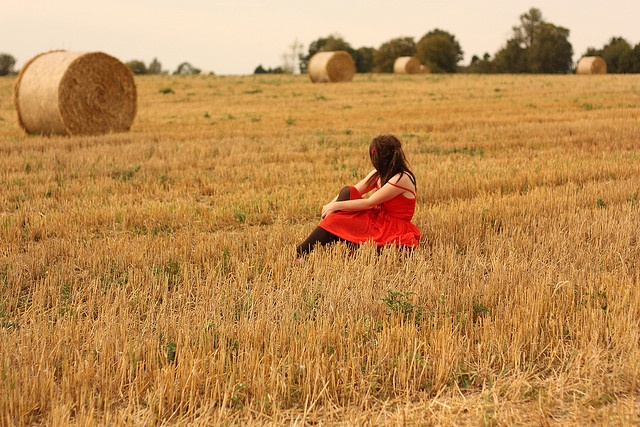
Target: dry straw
{"x": 332, "y": 67}
{"x": 591, "y": 65}
{"x": 406, "y": 65}
{"x": 75, "y": 93}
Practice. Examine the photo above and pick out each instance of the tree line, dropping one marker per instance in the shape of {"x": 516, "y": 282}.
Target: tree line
{"x": 8, "y": 62}
{"x": 535, "y": 46}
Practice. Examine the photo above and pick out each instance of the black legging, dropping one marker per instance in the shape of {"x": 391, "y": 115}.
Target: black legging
{"x": 320, "y": 235}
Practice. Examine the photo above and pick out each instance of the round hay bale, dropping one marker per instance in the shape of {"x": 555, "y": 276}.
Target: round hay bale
{"x": 337, "y": 66}
{"x": 75, "y": 93}
{"x": 424, "y": 69}
{"x": 591, "y": 65}
{"x": 406, "y": 65}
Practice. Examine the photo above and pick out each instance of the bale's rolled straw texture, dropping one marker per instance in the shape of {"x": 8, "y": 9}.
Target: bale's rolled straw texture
{"x": 337, "y": 66}
{"x": 75, "y": 93}
{"x": 591, "y": 65}
{"x": 406, "y": 65}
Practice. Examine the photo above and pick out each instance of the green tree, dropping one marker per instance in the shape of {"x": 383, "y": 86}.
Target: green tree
{"x": 529, "y": 22}
{"x": 7, "y": 62}
{"x": 535, "y": 47}
{"x": 512, "y": 58}
{"x": 261, "y": 70}
{"x": 482, "y": 65}
{"x": 618, "y": 55}
{"x": 155, "y": 67}
{"x": 137, "y": 67}
{"x": 635, "y": 59}
{"x": 388, "y": 52}
{"x": 592, "y": 51}
{"x": 186, "y": 69}
{"x": 325, "y": 44}
{"x": 550, "y": 51}
{"x": 364, "y": 59}
{"x": 440, "y": 51}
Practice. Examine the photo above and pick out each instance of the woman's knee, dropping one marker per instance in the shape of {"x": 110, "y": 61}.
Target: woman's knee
{"x": 344, "y": 194}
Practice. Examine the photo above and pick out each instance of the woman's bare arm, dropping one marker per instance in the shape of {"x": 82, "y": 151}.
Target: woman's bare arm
{"x": 364, "y": 186}
{"x": 386, "y": 193}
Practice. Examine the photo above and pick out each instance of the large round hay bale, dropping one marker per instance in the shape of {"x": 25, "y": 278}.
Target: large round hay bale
{"x": 406, "y": 65}
{"x": 337, "y": 66}
{"x": 75, "y": 93}
{"x": 591, "y": 65}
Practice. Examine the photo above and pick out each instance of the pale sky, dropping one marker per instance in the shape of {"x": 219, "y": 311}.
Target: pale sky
{"x": 235, "y": 36}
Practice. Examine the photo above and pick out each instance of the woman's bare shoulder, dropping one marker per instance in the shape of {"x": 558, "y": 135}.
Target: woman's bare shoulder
{"x": 403, "y": 180}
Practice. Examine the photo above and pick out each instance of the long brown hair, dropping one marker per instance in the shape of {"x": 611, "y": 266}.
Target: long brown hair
{"x": 388, "y": 159}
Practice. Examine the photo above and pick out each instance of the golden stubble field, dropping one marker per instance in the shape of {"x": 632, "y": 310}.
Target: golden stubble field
{"x": 148, "y": 278}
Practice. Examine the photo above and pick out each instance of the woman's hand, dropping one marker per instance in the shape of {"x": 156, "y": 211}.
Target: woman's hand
{"x": 327, "y": 209}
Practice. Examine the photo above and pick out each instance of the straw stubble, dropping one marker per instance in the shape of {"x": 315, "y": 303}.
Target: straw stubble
{"x": 150, "y": 278}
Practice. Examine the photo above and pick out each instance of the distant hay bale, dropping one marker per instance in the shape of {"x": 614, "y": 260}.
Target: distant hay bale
{"x": 75, "y": 93}
{"x": 406, "y": 65}
{"x": 337, "y": 66}
{"x": 591, "y": 65}
{"x": 424, "y": 69}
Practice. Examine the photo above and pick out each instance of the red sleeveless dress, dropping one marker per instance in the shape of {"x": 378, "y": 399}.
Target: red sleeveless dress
{"x": 386, "y": 224}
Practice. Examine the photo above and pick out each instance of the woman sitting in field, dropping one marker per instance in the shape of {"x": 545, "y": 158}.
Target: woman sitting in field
{"x": 384, "y": 218}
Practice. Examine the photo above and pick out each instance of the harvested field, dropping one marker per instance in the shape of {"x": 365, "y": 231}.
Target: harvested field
{"x": 148, "y": 277}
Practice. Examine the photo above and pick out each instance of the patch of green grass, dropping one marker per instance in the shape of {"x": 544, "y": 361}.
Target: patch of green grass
{"x": 125, "y": 175}
{"x": 398, "y": 303}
